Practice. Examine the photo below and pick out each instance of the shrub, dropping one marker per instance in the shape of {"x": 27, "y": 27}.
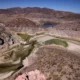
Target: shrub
{"x": 57, "y": 42}
{"x": 26, "y": 37}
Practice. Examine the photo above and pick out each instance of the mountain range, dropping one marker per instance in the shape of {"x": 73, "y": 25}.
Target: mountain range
{"x": 37, "y": 10}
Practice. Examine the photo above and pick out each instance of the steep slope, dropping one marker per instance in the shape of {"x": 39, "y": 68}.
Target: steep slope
{"x": 20, "y": 24}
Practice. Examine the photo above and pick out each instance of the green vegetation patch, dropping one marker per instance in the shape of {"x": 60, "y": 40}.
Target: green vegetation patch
{"x": 57, "y": 42}
{"x": 26, "y": 37}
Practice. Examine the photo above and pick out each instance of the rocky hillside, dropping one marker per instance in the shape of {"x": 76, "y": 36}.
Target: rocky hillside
{"x": 57, "y": 64}
{"x": 20, "y": 22}
{"x": 37, "y": 11}
{"x": 6, "y": 38}
{"x": 4, "y": 34}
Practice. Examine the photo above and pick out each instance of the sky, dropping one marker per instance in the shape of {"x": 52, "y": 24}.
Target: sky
{"x": 61, "y": 5}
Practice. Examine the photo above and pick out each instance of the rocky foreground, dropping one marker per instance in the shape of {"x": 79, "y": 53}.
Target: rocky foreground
{"x": 56, "y": 63}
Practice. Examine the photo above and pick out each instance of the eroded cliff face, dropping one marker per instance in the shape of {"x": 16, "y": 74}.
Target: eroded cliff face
{"x": 6, "y": 38}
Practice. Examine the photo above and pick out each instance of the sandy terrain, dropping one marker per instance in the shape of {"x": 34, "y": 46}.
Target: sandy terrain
{"x": 74, "y": 47}
{"x": 43, "y": 38}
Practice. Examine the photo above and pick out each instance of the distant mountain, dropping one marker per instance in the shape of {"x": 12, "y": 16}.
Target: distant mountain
{"x": 37, "y": 10}
{"x": 27, "y": 10}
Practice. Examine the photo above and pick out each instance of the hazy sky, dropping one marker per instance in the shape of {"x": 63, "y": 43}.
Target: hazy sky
{"x": 64, "y": 5}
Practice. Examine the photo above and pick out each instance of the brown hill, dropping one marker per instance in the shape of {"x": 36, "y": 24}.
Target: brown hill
{"x": 46, "y": 11}
{"x": 20, "y": 22}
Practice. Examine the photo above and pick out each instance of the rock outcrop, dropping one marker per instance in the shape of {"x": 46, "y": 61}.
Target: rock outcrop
{"x": 32, "y": 75}
{"x": 6, "y": 38}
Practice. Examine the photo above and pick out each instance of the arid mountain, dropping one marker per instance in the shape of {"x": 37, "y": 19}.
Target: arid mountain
{"x": 46, "y": 11}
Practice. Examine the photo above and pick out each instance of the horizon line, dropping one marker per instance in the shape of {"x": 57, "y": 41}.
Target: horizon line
{"x": 39, "y": 7}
